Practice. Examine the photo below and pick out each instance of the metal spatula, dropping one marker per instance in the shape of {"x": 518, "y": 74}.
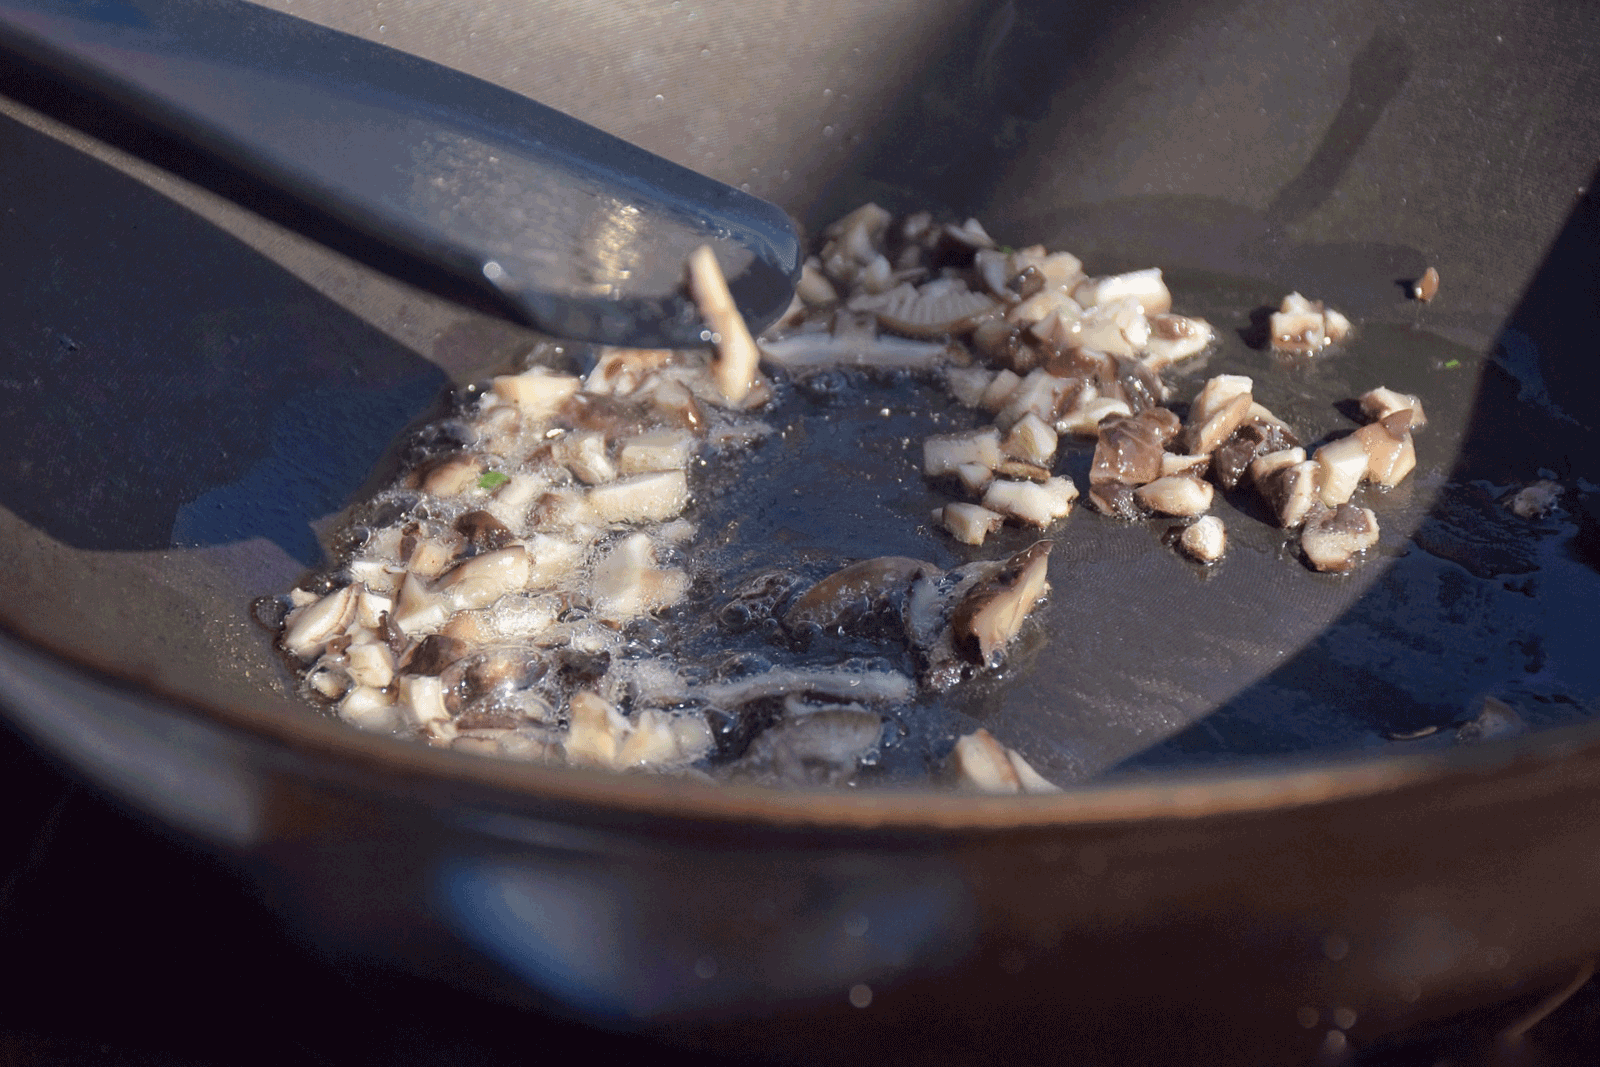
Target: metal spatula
{"x": 551, "y": 221}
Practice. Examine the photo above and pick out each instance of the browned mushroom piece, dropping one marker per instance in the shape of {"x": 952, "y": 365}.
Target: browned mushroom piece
{"x": 1334, "y": 538}
{"x": 433, "y": 654}
{"x": 484, "y": 532}
{"x": 1291, "y": 491}
{"x": 990, "y": 615}
{"x": 1253, "y": 438}
{"x": 1128, "y": 451}
{"x": 1389, "y": 449}
{"x": 1221, "y": 407}
{"x": 851, "y": 596}
{"x": 1382, "y": 402}
{"x": 1427, "y": 286}
{"x": 1118, "y": 500}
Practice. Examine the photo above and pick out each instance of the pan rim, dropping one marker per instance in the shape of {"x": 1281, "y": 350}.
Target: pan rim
{"x": 384, "y": 764}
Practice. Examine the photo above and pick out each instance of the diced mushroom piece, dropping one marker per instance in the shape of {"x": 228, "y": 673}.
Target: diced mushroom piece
{"x": 539, "y": 393}
{"x": 974, "y": 478}
{"x": 1020, "y": 471}
{"x": 990, "y": 615}
{"x": 1174, "y": 338}
{"x": 422, "y": 697}
{"x": 865, "y": 588}
{"x": 1176, "y": 494}
{"x": 1390, "y": 453}
{"x": 814, "y": 288}
{"x": 370, "y": 709}
{"x": 935, "y": 309}
{"x": 1084, "y": 419}
{"x": 327, "y": 682}
{"x": 1253, "y": 438}
{"x": 584, "y": 454}
{"x": 1038, "y": 394}
{"x": 1427, "y": 286}
{"x": 307, "y": 630}
{"x": 945, "y": 452}
{"x": 1344, "y": 465}
{"x": 1032, "y": 503}
{"x": 734, "y": 368}
{"x": 980, "y": 762}
{"x": 1058, "y": 270}
{"x": 641, "y": 498}
{"x": 1117, "y": 499}
{"x": 417, "y": 609}
{"x": 1174, "y": 463}
{"x": 431, "y": 555}
{"x": 990, "y": 265}
{"x": 621, "y": 371}
{"x": 371, "y": 664}
{"x": 968, "y": 384}
{"x": 1128, "y": 452}
{"x": 451, "y": 476}
{"x": 1292, "y": 492}
{"x": 1207, "y": 435}
{"x": 481, "y": 580}
{"x": 970, "y": 233}
{"x": 596, "y": 730}
{"x": 658, "y": 450}
{"x": 627, "y": 582}
{"x": 1305, "y": 327}
{"x": 970, "y": 524}
{"x": 1534, "y": 501}
{"x": 1143, "y": 286}
{"x": 1000, "y": 388}
{"x": 1269, "y": 463}
{"x": 1205, "y": 540}
{"x": 1334, "y": 538}
{"x": 855, "y": 238}
{"x": 1032, "y": 440}
{"x": 1382, "y": 402}
{"x": 1043, "y": 305}
{"x": 661, "y": 740}
{"x": 1217, "y": 393}
{"x": 1118, "y": 328}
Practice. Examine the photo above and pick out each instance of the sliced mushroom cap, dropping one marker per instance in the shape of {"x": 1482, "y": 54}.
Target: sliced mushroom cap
{"x": 936, "y": 309}
{"x": 1144, "y": 286}
{"x": 989, "y": 617}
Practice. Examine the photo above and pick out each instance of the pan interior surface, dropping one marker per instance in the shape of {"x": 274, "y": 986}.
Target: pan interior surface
{"x": 192, "y": 399}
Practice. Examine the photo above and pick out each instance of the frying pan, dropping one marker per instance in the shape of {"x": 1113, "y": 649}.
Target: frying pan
{"x": 1245, "y": 859}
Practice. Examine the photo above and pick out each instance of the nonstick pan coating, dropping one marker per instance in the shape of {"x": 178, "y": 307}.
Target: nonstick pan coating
{"x": 191, "y": 392}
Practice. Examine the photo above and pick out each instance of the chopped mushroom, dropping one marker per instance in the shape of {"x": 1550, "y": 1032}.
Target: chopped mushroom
{"x": 1333, "y": 538}
{"x": 1175, "y": 494}
{"x": 1382, "y": 402}
{"x": 1305, "y": 327}
{"x": 1205, "y": 540}
{"x": 737, "y": 356}
{"x": 970, "y": 524}
{"x": 1427, "y": 286}
{"x": 1030, "y": 502}
{"x": 988, "y": 617}
{"x": 981, "y": 763}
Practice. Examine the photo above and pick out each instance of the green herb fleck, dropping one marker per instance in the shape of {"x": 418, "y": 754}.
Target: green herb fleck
{"x": 1450, "y": 364}
{"x": 1007, "y": 249}
{"x": 493, "y": 480}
